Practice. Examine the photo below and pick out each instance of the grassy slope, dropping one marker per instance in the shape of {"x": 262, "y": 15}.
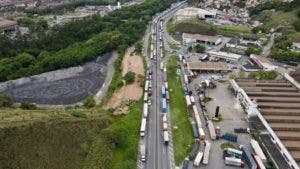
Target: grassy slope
{"x": 182, "y": 135}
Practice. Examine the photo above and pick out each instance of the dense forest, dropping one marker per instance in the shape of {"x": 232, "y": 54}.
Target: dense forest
{"x": 275, "y": 4}
{"x": 76, "y": 42}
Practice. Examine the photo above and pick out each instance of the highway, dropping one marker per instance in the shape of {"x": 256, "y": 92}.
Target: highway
{"x": 158, "y": 154}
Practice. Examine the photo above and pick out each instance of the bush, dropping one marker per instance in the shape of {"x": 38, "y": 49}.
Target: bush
{"x": 78, "y": 114}
{"x": 129, "y": 77}
{"x": 28, "y": 106}
{"x": 89, "y": 102}
{"x": 263, "y": 75}
{"x": 5, "y": 101}
{"x": 297, "y": 25}
{"x": 199, "y": 48}
{"x": 115, "y": 137}
{"x": 252, "y": 50}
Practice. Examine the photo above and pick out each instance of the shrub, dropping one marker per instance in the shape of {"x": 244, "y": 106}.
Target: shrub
{"x": 263, "y": 75}
{"x": 5, "y": 101}
{"x": 199, "y": 48}
{"x": 129, "y": 77}
{"x": 28, "y": 106}
{"x": 78, "y": 114}
{"x": 297, "y": 25}
{"x": 89, "y": 102}
{"x": 252, "y": 50}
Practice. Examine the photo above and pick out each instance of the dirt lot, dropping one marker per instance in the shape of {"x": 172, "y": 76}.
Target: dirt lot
{"x": 61, "y": 87}
{"x": 133, "y": 91}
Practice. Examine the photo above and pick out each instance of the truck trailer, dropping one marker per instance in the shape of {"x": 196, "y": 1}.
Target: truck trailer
{"x": 206, "y": 152}
{"x": 145, "y": 110}
{"x": 143, "y": 152}
{"x": 166, "y": 137}
{"x": 234, "y": 152}
{"x": 163, "y": 92}
{"x": 211, "y": 129}
{"x": 143, "y": 127}
{"x": 198, "y": 159}
{"x": 234, "y": 162}
{"x": 248, "y": 157}
{"x": 257, "y": 149}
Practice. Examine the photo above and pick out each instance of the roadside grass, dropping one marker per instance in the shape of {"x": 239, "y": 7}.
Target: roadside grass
{"x": 173, "y": 46}
{"x": 149, "y": 45}
{"x": 223, "y": 81}
{"x": 226, "y": 145}
{"x": 207, "y": 99}
{"x": 126, "y": 155}
{"x": 232, "y": 30}
{"x": 171, "y": 28}
{"x": 182, "y": 134}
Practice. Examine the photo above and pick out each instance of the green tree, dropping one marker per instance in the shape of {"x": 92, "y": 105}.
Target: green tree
{"x": 129, "y": 77}
{"x": 28, "y": 106}
{"x": 199, "y": 48}
{"x": 297, "y": 25}
{"x": 89, "y": 102}
{"x": 252, "y": 50}
{"x": 25, "y": 59}
{"x": 5, "y": 101}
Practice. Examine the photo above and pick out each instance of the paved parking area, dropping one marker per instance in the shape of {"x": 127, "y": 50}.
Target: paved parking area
{"x": 233, "y": 116}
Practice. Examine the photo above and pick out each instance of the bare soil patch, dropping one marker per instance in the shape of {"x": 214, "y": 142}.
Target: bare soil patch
{"x": 134, "y": 63}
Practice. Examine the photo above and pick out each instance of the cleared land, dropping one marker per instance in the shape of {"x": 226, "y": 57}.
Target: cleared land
{"x": 182, "y": 130}
{"x": 133, "y": 63}
{"x": 61, "y": 87}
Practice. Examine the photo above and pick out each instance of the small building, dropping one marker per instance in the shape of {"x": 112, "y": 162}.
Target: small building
{"x": 208, "y": 66}
{"x": 209, "y": 40}
{"x": 228, "y": 57}
{"x": 296, "y": 45}
{"x": 263, "y": 62}
{"x": 193, "y": 13}
{"x": 7, "y": 25}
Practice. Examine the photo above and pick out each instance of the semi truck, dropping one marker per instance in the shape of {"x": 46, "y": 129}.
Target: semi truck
{"x": 168, "y": 96}
{"x": 143, "y": 127}
{"x": 164, "y": 105}
{"x": 206, "y": 152}
{"x": 201, "y": 133}
{"x": 211, "y": 129}
{"x": 195, "y": 130}
{"x": 161, "y": 65}
{"x": 198, "y": 159}
{"x": 163, "y": 92}
{"x": 192, "y": 100}
{"x": 234, "y": 162}
{"x": 165, "y": 126}
{"x": 164, "y": 118}
{"x": 188, "y": 101}
{"x": 166, "y": 86}
{"x": 197, "y": 117}
{"x": 248, "y": 157}
{"x": 259, "y": 163}
{"x": 257, "y": 149}
{"x": 145, "y": 97}
{"x": 143, "y": 152}
{"x": 186, "y": 80}
{"x": 166, "y": 137}
{"x": 185, "y": 89}
{"x": 145, "y": 110}
{"x": 234, "y": 152}
{"x": 146, "y": 85}
{"x": 229, "y": 137}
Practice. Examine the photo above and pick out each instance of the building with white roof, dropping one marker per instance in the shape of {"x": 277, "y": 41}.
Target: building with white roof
{"x": 263, "y": 62}
{"x": 229, "y": 57}
{"x": 209, "y": 40}
{"x": 192, "y": 13}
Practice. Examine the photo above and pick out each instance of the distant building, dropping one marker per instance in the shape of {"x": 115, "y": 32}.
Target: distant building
{"x": 208, "y": 66}
{"x": 229, "y": 57}
{"x": 7, "y": 25}
{"x": 209, "y": 40}
{"x": 192, "y": 13}
{"x": 257, "y": 62}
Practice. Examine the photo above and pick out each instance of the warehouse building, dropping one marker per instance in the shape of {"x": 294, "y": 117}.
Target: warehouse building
{"x": 208, "y": 40}
{"x": 257, "y": 62}
{"x": 193, "y": 13}
{"x": 228, "y": 57}
{"x": 273, "y": 108}
{"x": 7, "y": 25}
{"x": 208, "y": 67}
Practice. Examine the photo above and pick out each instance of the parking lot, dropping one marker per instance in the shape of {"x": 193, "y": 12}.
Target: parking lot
{"x": 232, "y": 114}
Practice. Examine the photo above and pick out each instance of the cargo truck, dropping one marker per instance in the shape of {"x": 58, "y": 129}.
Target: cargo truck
{"x": 229, "y": 137}
{"x": 234, "y": 152}
{"x": 165, "y": 126}
{"x": 145, "y": 97}
{"x": 143, "y": 152}
{"x": 185, "y": 89}
{"x": 163, "y": 92}
{"x": 192, "y": 100}
{"x": 143, "y": 127}
{"x": 206, "y": 152}
{"x": 185, "y": 164}
{"x": 248, "y": 157}
{"x": 168, "y": 96}
{"x": 234, "y": 162}
{"x": 166, "y": 86}
{"x": 197, "y": 117}
{"x": 195, "y": 130}
{"x": 145, "y": 110}
{"x": 146, "y": 85}
{"x": 188, "y": 101}
{"x": 259, "y": 163}
{"x": 201, "y": 133}
{"x": 161, "y": 65}
{"x": 166, "y": 137}
{"x": 164, "y": 105}
{"x": 198, "y": 159}
{"x": 164, "y": 118}
{"x": 211, "y": 130}
{"x": 194, "y": 151}
{"x": 257, "y": 149}
{"x": 186, "y": 80}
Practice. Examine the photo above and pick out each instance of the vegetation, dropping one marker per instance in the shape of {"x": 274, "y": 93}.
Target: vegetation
{"x": 223, "y": 81}
{"x": 78, "y": 114}
{"x": 89, "y": 102}
{"x": 281, "y": 50}
{"x": 217, "y": 119}
{"x": 27, "y": 105}
{"x": 129, "y": 77}
{"x": 149, "y": 46}
{"x": 5, "y": 101}
{"x": 173, "y": 46}
{"x": 170, "y": 26}
{"x": 179, "y": 114}
{"x": 199, "y": 48}
{"x": 237, "y": 75}
{"x": 232, "y": 50}
{"x": 263, "y": 75}
{"x": 226, "y": 145}
{"x": 252, "y": 50}
{"x": 73, "y": 44}
{"x": 207, "y": 99}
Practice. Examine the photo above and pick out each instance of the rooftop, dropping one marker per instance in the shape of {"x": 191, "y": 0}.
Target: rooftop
{"x": 217, "y": 66}
{"x": 225, "y": 54}
{"x": 193, "y": 11}
{"x": 5, "y": 22}
{"x": 199, "y": 37}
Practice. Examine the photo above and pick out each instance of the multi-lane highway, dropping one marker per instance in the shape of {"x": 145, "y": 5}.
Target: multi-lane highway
{"x": 159, "y": 152}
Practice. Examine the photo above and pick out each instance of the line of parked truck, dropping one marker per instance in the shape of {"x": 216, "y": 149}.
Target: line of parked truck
{"x": 164, "y": 108}
{"x": 256, "y": 160}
